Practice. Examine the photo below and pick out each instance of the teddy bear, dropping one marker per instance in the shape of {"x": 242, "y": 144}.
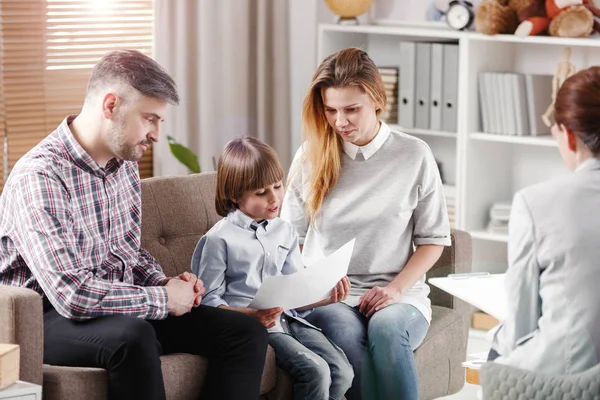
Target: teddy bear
{"x": 564, "y": 18}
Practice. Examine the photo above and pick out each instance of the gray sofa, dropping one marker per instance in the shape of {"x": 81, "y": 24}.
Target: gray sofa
{"x": 177, "y": 211}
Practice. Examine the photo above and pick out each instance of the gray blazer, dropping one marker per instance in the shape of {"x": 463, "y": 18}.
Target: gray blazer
{"x": 553, "y": 277}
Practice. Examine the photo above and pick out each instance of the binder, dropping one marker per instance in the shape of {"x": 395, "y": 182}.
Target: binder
{"x": 450, "y": 106}
{"x": 423, "y": 86}
{"x": 521, "y": 114}
{"x": 539, "y": 97}
{"x": 406, "y": 107}
{"x": 484, "y": 103}
{"x": 509, "y": 96}
{"x": 435, "y": 99}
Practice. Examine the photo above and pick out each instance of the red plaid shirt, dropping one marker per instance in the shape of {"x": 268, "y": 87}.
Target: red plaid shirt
{"x": 70, "y": 230}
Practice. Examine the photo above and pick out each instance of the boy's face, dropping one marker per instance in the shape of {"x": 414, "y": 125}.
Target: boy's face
{"x": 260, "y": 204}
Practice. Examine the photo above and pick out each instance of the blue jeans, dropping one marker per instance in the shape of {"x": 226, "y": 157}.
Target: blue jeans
{"x": 319, "y": 368}
{"x": 379, "y": 348}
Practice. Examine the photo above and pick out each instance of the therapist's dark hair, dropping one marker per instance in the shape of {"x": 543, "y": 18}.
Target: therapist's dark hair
{"x": 577, "y": 107}
{"x": 244, "y": 164}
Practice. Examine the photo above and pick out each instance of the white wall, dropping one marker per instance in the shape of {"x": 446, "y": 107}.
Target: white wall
{"x": 304, "y": 17}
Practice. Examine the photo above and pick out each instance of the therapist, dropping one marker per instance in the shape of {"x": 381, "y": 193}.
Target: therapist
{"x": 553, "y": 322}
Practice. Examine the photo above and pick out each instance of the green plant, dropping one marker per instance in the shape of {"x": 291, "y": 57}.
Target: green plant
{"x": 184, "y": 155}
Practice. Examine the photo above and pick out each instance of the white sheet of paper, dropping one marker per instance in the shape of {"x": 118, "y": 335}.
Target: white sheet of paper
{"x": 307, "y": 286}
{"x": 484, "y": 292}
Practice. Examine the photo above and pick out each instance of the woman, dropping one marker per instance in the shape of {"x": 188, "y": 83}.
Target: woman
{"x": 553, "y": 324}
{"x": 356, "y": 178}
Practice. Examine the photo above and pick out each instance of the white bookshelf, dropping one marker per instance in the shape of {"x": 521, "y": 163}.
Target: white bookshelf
{"x": 484, "y": 167}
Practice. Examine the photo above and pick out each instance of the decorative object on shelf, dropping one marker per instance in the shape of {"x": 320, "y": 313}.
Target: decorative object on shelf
{"x": 460, "y": 14}
{"x": 563, "y": 71}
{"x": 492, "y": 18}
{"x": 348, "y": 10}
{"x": 561, "y": 18}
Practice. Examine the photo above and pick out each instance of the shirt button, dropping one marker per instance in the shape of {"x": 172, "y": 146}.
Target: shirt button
{"x": 269, "y": 253}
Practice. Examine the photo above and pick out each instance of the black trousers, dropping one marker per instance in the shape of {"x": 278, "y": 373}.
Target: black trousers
{"x": 129, "y": 348}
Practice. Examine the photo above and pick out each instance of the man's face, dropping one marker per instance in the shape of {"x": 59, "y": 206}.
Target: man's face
{"x": 135, "y": 127}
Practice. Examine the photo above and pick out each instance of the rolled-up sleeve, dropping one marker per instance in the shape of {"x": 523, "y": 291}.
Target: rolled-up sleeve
{"x": 431, "y": 225}
{"x": 209, "y": 263}
{"x": 49, "y": 247}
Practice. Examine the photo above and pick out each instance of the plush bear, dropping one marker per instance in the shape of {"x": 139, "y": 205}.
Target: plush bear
{"x": 564, "y": 18}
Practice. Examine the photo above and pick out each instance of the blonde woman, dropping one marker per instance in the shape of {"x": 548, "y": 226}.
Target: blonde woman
{"x": 354, "y": 177}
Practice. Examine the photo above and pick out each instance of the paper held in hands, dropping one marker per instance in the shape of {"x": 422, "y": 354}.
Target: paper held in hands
{"x": 307, "y": 286}
{"x": 484, "y": 291}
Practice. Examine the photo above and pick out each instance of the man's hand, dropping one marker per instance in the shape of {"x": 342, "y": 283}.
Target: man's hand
{"x": 199, "y": 288}
{"x": 181, "y": 296}
{"x": 268, "y": 318}
{"x": 378, "y": 298}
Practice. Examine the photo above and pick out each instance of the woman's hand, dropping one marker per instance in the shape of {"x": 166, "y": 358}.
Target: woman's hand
{"x": 340, "y": 291}
{"x": 378, "y": 298}
{"x": 268, "y": 317}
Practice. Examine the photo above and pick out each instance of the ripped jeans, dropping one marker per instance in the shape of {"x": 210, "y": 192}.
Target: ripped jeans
{"x": 320, "y": 369}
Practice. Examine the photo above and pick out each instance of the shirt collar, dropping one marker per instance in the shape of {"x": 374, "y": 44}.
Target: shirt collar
{"x": 370, "y": 148}
{"x": 79, "y": 155}
{"x": 589, "y": 164}
{"x": 243, "y": 221}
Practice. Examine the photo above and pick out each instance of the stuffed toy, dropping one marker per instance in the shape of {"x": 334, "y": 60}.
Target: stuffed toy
{"x": 563, "y": 18}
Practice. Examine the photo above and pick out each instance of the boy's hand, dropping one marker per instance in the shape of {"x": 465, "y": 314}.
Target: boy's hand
{"x": 268, "y": 318}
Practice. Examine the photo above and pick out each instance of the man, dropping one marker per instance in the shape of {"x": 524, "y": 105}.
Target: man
{"x": 70, "y": 223}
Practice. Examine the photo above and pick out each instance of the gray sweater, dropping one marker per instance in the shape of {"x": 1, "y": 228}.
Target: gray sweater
{"x": 389, "y": 197}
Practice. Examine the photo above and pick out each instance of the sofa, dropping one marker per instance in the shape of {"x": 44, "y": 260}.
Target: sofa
{"x": 177, "y": 211}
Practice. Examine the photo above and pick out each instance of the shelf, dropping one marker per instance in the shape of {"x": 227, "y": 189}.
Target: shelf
{"x": 417, "y": 32}
{"x": 423, "y": 132}
{"x": 485, "y": 235}
{"x": 546, "y": 141}
{"x": 414, "y": 32}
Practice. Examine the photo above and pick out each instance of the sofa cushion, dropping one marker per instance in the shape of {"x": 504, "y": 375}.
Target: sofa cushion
{"x": 176, "y": 212}
{"x": 183, "y": 375}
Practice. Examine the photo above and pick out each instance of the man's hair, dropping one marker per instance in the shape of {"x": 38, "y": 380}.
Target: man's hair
{"x": 137, "y": 70}
{"x": 244, "y": 164}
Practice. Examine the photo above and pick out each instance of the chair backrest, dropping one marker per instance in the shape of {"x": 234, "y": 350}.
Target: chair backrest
{"x": 176, "y": 212}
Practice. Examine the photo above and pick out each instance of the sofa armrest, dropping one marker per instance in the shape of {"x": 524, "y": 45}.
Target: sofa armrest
{"x": 21, "y": 323}
{"x": 454, "y": 260}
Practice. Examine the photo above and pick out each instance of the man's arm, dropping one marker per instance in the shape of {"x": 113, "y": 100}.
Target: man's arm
{"x": 45, "y": 240}
{"x": 148, "y": 272}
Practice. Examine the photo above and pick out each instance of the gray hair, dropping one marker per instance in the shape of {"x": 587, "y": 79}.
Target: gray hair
{"x": 136, "y": 70}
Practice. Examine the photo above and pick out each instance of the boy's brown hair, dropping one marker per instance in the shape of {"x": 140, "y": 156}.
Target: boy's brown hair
{"x": 244, "y": 164}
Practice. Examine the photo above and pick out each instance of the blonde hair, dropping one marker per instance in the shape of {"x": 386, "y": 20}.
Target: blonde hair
{"x": 244, "y": 164}
{"x": 348, "y": 67}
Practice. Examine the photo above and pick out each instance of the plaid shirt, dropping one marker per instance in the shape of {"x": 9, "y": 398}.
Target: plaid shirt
{"x": 70, "y": 230}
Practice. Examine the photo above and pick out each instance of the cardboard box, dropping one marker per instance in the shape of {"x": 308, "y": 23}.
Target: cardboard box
{"x": 483, "y": 321}
{"x": 472, "y": 376}
{"x": 9, "y": 364}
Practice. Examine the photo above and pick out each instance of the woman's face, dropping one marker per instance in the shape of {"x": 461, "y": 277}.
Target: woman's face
{"x": 351, "y": 113}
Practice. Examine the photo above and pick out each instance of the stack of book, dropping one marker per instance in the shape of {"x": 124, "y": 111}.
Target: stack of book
{"x": 499, "y": 216}
{"x": 450, "y": 193}
{"x": 513, "y": 104}
{"x": 389, "y": 77}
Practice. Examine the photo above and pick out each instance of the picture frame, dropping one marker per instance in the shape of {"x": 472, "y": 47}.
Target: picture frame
{"x": 417, "y": 13}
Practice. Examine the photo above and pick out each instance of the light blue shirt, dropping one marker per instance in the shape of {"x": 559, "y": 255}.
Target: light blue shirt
{"x": 238, "y": 253}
